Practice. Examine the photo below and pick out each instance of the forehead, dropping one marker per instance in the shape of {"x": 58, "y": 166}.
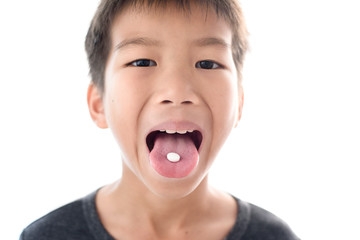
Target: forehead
{"x": 184, "y": 6}
{"x": 171, "y": 20}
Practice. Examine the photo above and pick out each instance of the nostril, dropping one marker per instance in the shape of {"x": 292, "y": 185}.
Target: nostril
{"x": 182, "y": 102}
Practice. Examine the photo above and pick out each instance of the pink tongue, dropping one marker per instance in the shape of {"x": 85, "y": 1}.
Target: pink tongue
{"x": 175, "y": 143}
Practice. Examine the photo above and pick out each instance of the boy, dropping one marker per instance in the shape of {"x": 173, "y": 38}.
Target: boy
{"x": 166, "y": 80}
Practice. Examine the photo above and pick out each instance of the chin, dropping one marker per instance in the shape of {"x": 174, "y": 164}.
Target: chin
{"x": 175, "y": 188}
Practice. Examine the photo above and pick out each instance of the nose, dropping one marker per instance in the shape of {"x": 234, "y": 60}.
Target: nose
{"x": 177, "y": 87}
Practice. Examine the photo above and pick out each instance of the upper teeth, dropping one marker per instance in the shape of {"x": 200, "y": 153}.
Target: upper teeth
{"x": 176, "y": 131}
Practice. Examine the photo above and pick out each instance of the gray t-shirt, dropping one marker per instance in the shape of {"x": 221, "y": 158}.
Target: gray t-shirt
{"x": 79, "y": 220}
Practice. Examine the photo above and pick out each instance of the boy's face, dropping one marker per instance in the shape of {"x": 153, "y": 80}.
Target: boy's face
{"x": 169, "y": 71}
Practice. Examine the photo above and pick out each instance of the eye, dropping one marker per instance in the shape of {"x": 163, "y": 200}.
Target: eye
{"x": 207, "y": 64}
{"x": 143, "y": 63}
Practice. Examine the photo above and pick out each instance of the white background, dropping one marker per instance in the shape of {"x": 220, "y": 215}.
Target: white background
{"x": 295, "y": 153}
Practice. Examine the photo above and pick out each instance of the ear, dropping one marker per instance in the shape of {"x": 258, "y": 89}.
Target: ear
{"x": 96, "y": 106}
{"x": 241, "y": 104}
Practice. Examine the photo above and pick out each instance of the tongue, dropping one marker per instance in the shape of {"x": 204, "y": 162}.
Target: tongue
{"x": 174, "y": 143}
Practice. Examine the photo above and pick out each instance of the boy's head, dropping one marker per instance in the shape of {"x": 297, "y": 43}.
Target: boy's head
{"x": 98, "y": 38}
{"x": 165, "y": 81}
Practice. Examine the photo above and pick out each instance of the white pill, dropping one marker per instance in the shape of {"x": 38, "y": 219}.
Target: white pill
{"x": 173, "y": 157}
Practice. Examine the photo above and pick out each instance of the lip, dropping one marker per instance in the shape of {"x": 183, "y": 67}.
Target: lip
{"x": 176, "y": 126}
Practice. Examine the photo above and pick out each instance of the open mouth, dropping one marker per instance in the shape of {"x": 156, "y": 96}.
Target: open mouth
{"x": 194, "y": 135}
{"x": 174, "y": 153}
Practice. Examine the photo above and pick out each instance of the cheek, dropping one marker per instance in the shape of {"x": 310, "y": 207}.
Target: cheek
{"x": 124, "y": 101}
{"x": 224, "y": 107}
{"x": 224, "y": 101}
{"x": 125, "y": 95}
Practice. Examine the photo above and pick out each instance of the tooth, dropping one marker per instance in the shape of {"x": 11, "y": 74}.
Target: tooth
{"x": 190, "y": 131}
{"x": 182, "y": 131}
{"x": 170, "y": 131}
{"x": 162, "y": 130}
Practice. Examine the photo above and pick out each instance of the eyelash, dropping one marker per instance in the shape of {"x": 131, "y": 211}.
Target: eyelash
{"x": 140, "y": 63}
{"x": 213, "y": 65}
{"x": 204, "y": 64}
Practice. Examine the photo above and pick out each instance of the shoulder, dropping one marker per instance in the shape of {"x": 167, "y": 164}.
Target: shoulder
{"x": 265, "y": 225}
{"x": 67, "y": 222}
{"x": 256, "y": 223}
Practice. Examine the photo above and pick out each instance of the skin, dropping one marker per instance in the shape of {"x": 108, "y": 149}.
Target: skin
{"x": 174, "y": 89}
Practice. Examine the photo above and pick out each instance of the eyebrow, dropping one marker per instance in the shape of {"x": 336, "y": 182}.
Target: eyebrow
{"x": 212, "y": 41}
{"x": 144, "y": 41}
{"x": 140, "y": 41}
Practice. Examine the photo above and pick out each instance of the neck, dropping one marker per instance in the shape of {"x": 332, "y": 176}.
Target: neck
{"x": 133, "y": 200}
